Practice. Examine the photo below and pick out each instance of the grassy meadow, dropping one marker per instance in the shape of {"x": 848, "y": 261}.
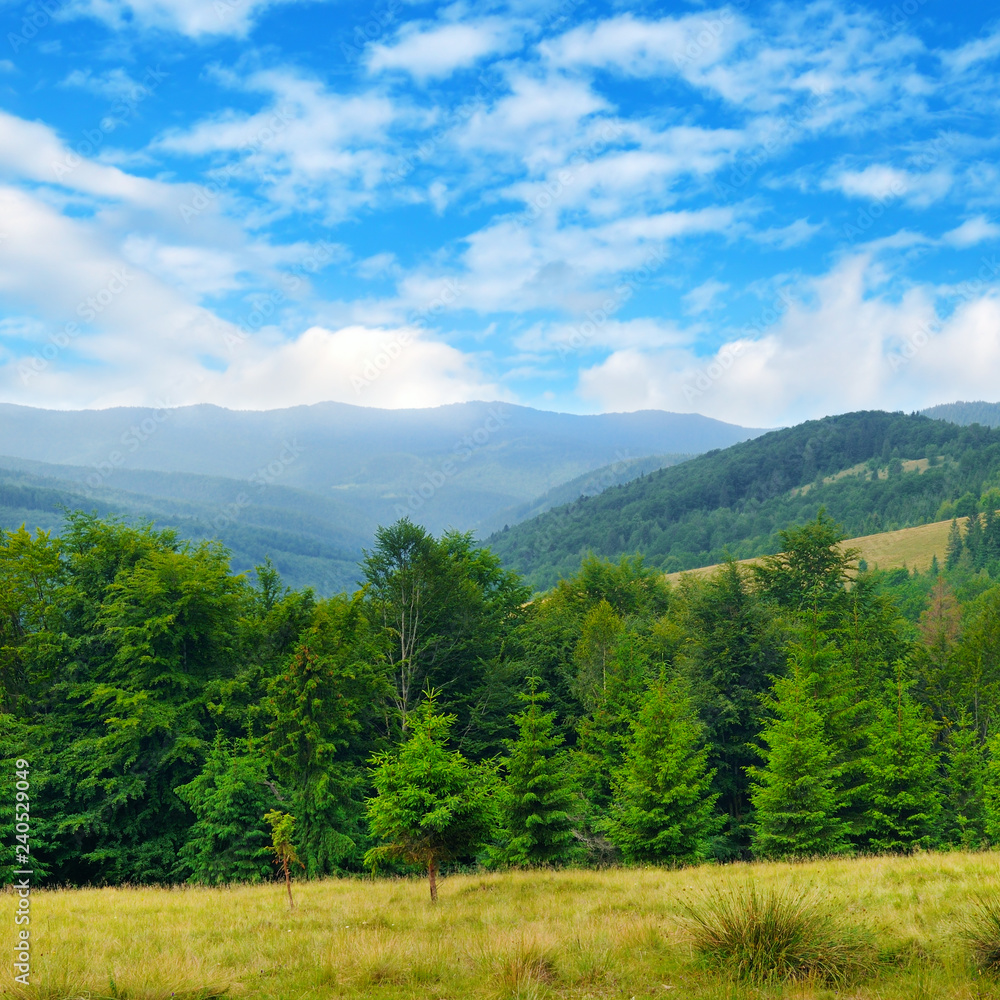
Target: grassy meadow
{"x": 618, "y": 933}
{"x": 913, "y": 548}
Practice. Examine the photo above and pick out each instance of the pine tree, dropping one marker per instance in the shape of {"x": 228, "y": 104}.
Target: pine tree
{"x": 974, "y": 540}
{"x": 965, "y": 777}
{"x": 902, "y": 774}
{"x": 226, "y": 843}
{"x": 663, "y": 810}
{"x": 431, "y": 805}
{"x": 795, "y": 793}
{"x": 953, "y": 551}
{"x": 537, "y": 802}
{"x": 991, "y": 790}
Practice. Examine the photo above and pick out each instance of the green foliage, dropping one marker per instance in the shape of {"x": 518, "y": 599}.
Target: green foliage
{"x": 902, "y": 770}
{"x": 964, "y": 814}
{"x": 797, "y": 793}
{"x": 431, "y": 804}
{"x": 769, "y": 935}
{"x": 981, "y": 930}
{"x": 226, "y": 842}
{"x": 735, "y": 502}
{"x": 283, "y": 846}
{"x": 537, "y": 802}
{"x": 663, "y": 810}
{"x": 732, "y": 647}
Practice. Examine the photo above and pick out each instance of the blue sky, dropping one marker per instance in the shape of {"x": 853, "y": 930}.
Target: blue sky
{"x": 761, "y": 212}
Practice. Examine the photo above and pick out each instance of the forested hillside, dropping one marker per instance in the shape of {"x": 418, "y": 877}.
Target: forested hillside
{"x": 872, "y": 471}
{"x": 162, "y": 705}
{"x": 979, "y": 412}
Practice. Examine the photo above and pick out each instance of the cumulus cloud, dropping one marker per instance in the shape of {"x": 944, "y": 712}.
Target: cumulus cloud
{"x": 194, "y": 18}
{"x": 972, "y": 231}
{"x": 391, "y": 368}
{"x": 835, "y": 344}
{"x": 435, "y": 51}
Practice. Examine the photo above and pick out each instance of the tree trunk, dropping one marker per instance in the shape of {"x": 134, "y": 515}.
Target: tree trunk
{"x": 288, "y": 883}
{"x": 432, "y": 875}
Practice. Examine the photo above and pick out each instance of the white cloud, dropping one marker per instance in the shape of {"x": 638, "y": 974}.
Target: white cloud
{"x": 319, "y": 151}
{"x": 194, "y": 18}
{"x": 784, "y": 237}
{"x": 972, "y": 231}
{"x": 702, "y": 299}
{"x": 972, "y": 53}
{"x": 427, "y": 52}
{"x": 839, "y": 345}
{"x": 879, "y": 182}
{"x": 370, "y": 367}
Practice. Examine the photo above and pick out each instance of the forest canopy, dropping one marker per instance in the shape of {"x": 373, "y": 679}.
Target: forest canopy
{"x": 801, "y": 707}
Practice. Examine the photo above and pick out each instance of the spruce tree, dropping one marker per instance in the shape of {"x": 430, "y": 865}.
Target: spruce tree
{"x": 953, "y": 549}
{"x": 991, "y": 790}
{"x": 795, "y": 793}
{"x": 227, "y": 843}
{"x": 663, "y": 809}
{"x": 902, "y": 768}
{"x": 431, "y": 804}
{"x": 537, "y": 801}
{"x": 965, "y": 777}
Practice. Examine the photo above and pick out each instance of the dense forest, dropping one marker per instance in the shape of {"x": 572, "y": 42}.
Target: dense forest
{"x": 872, "y": 471}
{"x": 441, "y": 716}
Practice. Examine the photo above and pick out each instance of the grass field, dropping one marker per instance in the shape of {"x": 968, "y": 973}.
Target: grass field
{"x": 575, "y": 934}
{"x": 910, "y": 547}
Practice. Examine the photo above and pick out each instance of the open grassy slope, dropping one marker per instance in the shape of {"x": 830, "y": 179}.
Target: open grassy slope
{"x": 576, "y": 934}
{"x": 913, "y": 548}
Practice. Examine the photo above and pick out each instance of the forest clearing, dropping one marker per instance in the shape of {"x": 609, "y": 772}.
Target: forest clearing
{"x": 622, "y": 932}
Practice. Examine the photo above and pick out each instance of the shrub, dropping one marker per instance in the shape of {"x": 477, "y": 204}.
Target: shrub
{"x": 765, "y": 935}
{"x": 982, "y": 931}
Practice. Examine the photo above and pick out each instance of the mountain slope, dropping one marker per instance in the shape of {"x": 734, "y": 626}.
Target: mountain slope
{"x": 448, "y": 466}
{"x": 979, "y": 412}
{"x": 735, "y": 501}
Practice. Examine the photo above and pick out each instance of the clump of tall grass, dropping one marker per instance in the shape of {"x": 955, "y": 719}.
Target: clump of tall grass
{"x": 766, "y": 935}
{"x": 981, "y": 928}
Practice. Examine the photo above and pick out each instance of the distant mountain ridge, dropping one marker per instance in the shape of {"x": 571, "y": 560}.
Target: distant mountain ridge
{"x": 873, "y": 471}
{"x": 979, "y": 412}
{"x": 321, "y": 478}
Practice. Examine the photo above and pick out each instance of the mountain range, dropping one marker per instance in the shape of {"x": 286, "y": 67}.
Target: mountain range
{"x": 307, "y": 486}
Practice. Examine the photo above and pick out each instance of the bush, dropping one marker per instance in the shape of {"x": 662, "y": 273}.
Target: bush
{"x": 982, "y": 930}
{"x": 765, "y": 935}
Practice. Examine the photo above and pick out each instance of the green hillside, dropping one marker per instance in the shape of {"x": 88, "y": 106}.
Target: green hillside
{"x": 978, "y": 412}
{"x": 873, "y": 471}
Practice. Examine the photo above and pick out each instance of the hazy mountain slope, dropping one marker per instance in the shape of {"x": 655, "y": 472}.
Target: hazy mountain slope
{"x": 737, "y": 500}
{"x": 312, "y": 540}
{"x": 446, "y": 466}
{"x": 987, "y": 414}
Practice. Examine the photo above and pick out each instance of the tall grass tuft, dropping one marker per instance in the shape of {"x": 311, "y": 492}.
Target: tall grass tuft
{"x": 981, "y": 928}
{"x": 767, "y": 935}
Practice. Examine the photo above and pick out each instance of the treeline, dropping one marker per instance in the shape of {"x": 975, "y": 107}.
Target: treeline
{"x": 441, "y": 716}
{"x": 736, "y": 502}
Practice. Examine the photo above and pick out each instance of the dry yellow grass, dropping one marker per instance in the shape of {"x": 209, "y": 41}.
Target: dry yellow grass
{"x": 575, "y": 934}
{"x": 910, "y": 547}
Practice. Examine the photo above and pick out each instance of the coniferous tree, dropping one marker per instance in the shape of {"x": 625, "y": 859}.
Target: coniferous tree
{"x": 902, "y": 774}
{"x": 537, "y": 802}
{"x": 991, "y": 789}
{"x": 663, "y": 810}
{"x": 953, "y": 550}
{"x": 227, "y": 842}
{"x": 795, "y": 793}
{"x": 431, "y": 804}
{"x": 965, "y": 778}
